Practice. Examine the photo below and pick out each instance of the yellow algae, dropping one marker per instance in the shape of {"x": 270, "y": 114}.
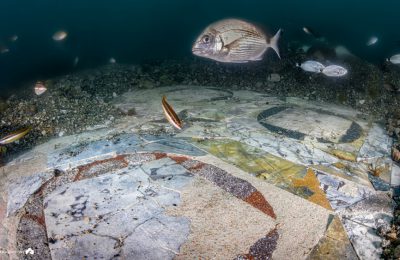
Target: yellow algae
{"x": 343, "y": 155}
{"x": 282, "y": 173}
{"x": 348, "y": 172}
{"x": 311, "y": 182}
{"x": 336, "y": 230}
{"x": 246, "y": 157}
{"x": 358, "y": 142}
{"x": 335, "y": 244}
{"x": 339, "y": 165}
{"x": 282, "y": 178}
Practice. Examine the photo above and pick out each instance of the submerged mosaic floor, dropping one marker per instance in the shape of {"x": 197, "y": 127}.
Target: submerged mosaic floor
{"x": 248, "y": 177}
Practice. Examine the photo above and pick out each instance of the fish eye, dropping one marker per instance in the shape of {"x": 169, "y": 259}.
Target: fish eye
{"x": 206, "y": 39}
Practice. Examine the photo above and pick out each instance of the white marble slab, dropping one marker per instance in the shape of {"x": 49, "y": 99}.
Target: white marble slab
{"x": 21, "y": 189}
{"x": 98, "y": 210}
{"x": 376, "y": 145}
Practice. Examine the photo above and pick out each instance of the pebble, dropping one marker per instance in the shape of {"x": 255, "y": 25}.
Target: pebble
{"x": 397, "y": 252}
{"x": 362, "y": 101}
{"x": 60, "y": 134}
{"x": 391, "y": 236}
{"x": 114, "y": 95}
{"x": 274, "y": 77}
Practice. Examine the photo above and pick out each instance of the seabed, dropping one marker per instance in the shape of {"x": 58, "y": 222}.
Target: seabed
{"x": 250, "y": 176}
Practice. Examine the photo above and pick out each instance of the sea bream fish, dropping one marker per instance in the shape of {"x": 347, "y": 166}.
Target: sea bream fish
{"x": 395, "y": 59}
{"x": 170, "y": 114}
{"x": 234, "y": 41}
{"x": 334, "y": 71}
{"x": 15, "y": 136}
{"x": 311, "y": 66}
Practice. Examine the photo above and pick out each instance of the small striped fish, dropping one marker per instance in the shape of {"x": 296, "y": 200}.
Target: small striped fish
{"x": 170, "y": 114}
{"x": 15, "y": 136}
{"x": 234, "y": 41}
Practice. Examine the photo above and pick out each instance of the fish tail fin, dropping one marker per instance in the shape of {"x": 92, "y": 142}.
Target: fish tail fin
{"x": 274, "y": 42}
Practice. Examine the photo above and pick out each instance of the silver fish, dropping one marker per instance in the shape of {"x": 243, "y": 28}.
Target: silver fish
{"x": 13, "y": 38}
{"x": 76, "y": 61}
{"x": 372, "y": 41}
{"x": 60, "y": 35}
{"x": 311, "y": 66}
{"x": 235, "y": 41}
{"x": 170, "y": 114}
{"x": 311, "y": 32}
{"x": 4, "y": 49}
{"x": 15, "y": 136}
{"x": 334, "y": 71}
{"x": 395, "y": 59}
{"x": 40, "y": 88}
{"x": 112, "y": 60}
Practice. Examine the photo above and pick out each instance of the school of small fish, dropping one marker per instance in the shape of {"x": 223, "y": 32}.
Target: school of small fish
{"x": 317, "y": 67}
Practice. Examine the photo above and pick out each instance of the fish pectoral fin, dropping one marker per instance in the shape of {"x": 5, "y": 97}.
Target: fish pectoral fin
{"x": 233, "y": 44}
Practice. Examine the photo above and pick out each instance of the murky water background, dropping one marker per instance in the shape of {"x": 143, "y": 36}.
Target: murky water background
{"x": 135, "y": 31}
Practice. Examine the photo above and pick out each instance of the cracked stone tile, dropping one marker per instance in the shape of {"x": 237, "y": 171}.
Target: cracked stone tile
{"x": 376, "y": 145}
{"x": 91, "y": 211}
{"x": 120, "y": 144}
{"x": 342, "y": 193}
{"x": 335, "y": 243}
{"x": 167, "y": 173}
{"x": 158, "y": 238}
{"x": 284, "y": 174}
{"x": 351, "y": 171}
{"x": 364, "y": 239}
{"x": 284, "y": 147}
{"x": 395, "y": 175}
{"x": 169, "y": 144}
{"x": 85, "y": 246}
{"x": 21, "y": 189}
{"x": 374, "y": 211}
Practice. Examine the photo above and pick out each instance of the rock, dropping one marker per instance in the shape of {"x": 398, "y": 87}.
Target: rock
{"x": 274, "y": 77}
{"x": 3, "y": 105}
{"x": 382, "y": 230}
{"x": 391, "y": 236}
{"x": 114, "y": 95}
{"x": 385, "y": 243}
{"x": 362, "y": 101}
{"x": 397, "y": 252}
